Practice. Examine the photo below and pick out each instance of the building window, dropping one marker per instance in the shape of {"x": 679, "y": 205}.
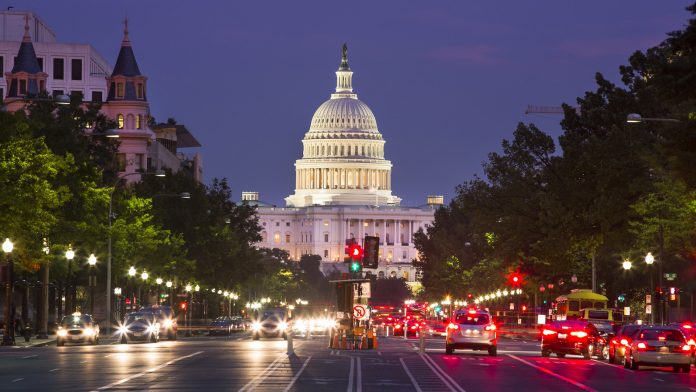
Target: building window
{"x": 287, "y": 238}
{"x": 97, "y": 96}
{"x": 404, "y": 274}
{"x": 58, "y": 69}
{"x": 405, "y": 255}
{"x": 326, "y": 254}
{"x": 22, "y": 86}
{"x": 120, "y": 121}
{"x": 139, "y": 90}
{"x": 40, "y": 59}
{"x": 380, "y": 275}
{"x": 2, "y": 65}
{"x": 76, "y": 69}
{"x": 276, "y": 238}
{"x": 76, "y": 94}
{"x": 140, "y": 161}
{"x": 57, "y": 93}
{"x": 326, "y": 237}
{"x": 138, "y": 120}
{"x": 119, "y": 90}
{"x": 264, "y": 223}
{"x": 287, "y": 224}
{"x": 121, "y": 161}
{"x": 277, "y": 224}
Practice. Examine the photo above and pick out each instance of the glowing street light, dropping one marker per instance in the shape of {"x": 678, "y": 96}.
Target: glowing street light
{"x": 627, "y": 264}
{"x": 132, "y": 271}
{"x": 649, "y": 258}
{"x": 159, "y": 280}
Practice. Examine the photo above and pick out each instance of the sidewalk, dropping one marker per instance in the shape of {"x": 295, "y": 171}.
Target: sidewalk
{"x": 34, "y": 342}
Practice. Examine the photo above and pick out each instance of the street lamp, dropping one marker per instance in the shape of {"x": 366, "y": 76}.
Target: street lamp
{"x": 144, "y": 277}
{"x": 637, "y": 118}
{"x": 70, "y": 255}
{"x": 169, "y": 291}
{"x": 92, "y": 261}
{"x": 117, "y": 293}
{"x": 649, "y": 260}
{"x": 159, "y": 173}
{"x": 8, "y": 335}
{"x": 627, "y": 264}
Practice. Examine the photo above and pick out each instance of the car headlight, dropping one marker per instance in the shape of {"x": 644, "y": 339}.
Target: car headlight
{"x": 62, "y": 333}
{"x": 256, "y": 326}
{"x": 283, "y": 325}
{"x": 152, "y": 328}
{"x": 168, "y": 323}
{"x": 122, "y": 329}
{"x": 89, "y": 331}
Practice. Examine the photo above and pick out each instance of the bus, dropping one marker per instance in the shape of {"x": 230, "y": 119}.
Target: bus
{"x": 569, "y": 306}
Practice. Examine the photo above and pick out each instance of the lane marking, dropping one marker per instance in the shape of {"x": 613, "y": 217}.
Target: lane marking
{"x": 359, "y": 386}
{"x": 613, "y": 365}
{"x": 350, "y": 374}
{"x": 30, "y": 356}
{"x": 263, "y": 375}
{"x": 304, "y": 365}
{"x": 119, "y": 382}
{"x": 53, "y": 370}
{"x": 547, "y": 371}
{"x": 17, "y": 379}
{"x": 83, "y": 362}
{"x": 659, "y": 379}
{"x": 444, "y": 377}
{"x": 408, "y": 373}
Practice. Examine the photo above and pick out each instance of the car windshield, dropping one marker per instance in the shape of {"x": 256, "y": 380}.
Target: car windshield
{"x": 598, "y": 314}
{"x": 670, "y": 335}
{"x": 473, "y": 319}
{"x": 76, "y": 320}
{"x": 139, "y": 317}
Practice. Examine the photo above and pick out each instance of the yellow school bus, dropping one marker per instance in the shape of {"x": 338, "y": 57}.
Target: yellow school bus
{"x": 568, "y": 306}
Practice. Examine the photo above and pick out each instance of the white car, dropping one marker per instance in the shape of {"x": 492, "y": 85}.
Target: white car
{"x": 659, "y": 346}
{"x": 472, "y": 329}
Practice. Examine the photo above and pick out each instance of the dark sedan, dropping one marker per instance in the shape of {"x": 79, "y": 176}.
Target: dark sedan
{"x": 139, "y": 326}
{"x": 222, "y": 325}
{"x": 572, "y": 337}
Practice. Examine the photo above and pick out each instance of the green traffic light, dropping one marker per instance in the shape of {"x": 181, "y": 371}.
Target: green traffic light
{"x": 354, "y": 266}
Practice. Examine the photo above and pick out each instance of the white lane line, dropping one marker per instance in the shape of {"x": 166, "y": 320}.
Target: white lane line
{"x": 547, "y": 371}
{"x": 359, "y": 386}
{"x": 658, "y": 379}
{"x": 263, "y": 375}
{"x": 444, "y": 377}
{"x": 154, "y": 369}
{"x": 83, "y": 362}
{"x": 304, "y": 365}
{"x": 614, "y": 366}
{"x": 408, "y": 373}
{"x": 53, "y": 370}
{"x": 18, "y": 379}
{"x": 350, "y": 374}
{"x": 30, "y": 356}
{"x": 379, "y": 353}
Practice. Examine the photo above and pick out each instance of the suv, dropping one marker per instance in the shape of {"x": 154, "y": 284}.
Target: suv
{"x": 165, "y": 318}
{"x": 472, "y": 329}
{"x": 272, "y": 323}
{"x": 618, "y": 344}
{"x": 139, "y": 326}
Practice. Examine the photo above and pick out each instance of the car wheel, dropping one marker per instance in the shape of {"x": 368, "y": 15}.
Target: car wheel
{"x": 124, "y": 340}
{"x": 493, "y": 351}
{"x": 587, "y": 354}
{"x": 449, "y": 349}
{"x": 96, "y": 340}
{"x": 545, "y": 353}
{"x": 626, "y": 365}
{"x": 612, "y": 358}
{"x": 634, "y": 364}
{"x": 676, "y": 368}
{"x": 560, "y": 355}
{"x": 255, "y": 337}
{"x": 60, "y": 343}
{"x": 604, "y": 354}
{"x": 686, "y": 369}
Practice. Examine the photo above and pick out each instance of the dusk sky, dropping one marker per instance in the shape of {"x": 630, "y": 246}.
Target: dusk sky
{"x": 446, "y": 80}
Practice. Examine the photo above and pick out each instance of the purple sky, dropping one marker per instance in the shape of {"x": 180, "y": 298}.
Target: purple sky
{"x": 446, "y": 80}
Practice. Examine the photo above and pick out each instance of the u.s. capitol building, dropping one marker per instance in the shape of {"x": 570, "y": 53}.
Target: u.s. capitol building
{"x": 343, "y": 190}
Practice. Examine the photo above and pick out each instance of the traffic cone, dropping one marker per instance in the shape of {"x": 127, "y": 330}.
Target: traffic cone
{"x": 335, "y": 342}
{"x": 363, "y": 343}
{"x": 374, "y": 342}
{"x": 344, "y": 344}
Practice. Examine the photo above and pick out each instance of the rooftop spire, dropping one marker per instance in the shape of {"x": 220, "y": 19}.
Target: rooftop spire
{"x": 344, "y": 59}
{"x": 125, "y": 63}
{"x": 126, "y": 39}
{"x": 27, "y": 37}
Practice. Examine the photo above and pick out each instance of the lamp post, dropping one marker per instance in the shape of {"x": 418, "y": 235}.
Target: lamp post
{"x": 70, "y": 255}
{"x": 131, "y": 275}
{"x": 159, "y": 292}
{"x": 627, "y": 264}
{"x": 187, "y": 288}
{"x": 108, "y": 260}
{"x": 169, "y": 292}
{"x": 144, "y": 277}
{"x": 92, "y": 261}
{"x": 117, "y": 294}
{"x": 8, "y": 335}
{"x": 649, "y": 260}
{"x": 637, "y": 118}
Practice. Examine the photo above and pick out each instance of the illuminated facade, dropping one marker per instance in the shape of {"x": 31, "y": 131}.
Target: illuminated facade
{"x": 343, "y": 190}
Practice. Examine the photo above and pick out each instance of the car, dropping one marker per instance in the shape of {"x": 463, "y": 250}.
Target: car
{"x": 572, "y": 337}
{"x": 659, "y": 346}
{"x": 77, "y": 328}
{"x": 472, "y": 329}
{"x": 438, "y": 327}
{"x": 618, "y": 343}
{"x": 271, "y": 323}
{"x": 166, "y": 319}
{"x": 221, "y": 326}
{"x": 312, "y": 326}
{"x": 238, "y": 324}
{"x": 141, "y": 325}
{"x": 412, "y": 326}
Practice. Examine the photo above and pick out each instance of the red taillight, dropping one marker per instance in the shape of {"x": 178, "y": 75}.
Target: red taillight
{"x": 614, "y": 342}
{"x": 691, "y": 342}
{"x": 687, "y": 326}
{"x": 624, "y": 342}
{"x": 453, "y": 326}
{"x": 686, "y": 347}
{"x": 661, "y": 338}
{"x": 490, "y": 327}
{"x": 414, "y": 326}
{"x": 548, "y": 332}
{"x": 397, "y": 326}
{"x": 642, "y": 346}
{"x": 579, "y": 334}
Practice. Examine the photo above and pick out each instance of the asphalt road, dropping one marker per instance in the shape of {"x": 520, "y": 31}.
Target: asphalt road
{"x": 239, "y": 364}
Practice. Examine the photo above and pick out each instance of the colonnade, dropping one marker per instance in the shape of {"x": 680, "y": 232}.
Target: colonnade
{"x": 320, "y": 178}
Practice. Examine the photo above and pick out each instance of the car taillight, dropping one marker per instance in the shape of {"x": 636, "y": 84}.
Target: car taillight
{"x": 414, "y": 326}
{"x": 691, "y": 342}
{"x": 490, "y": 327}
{"x": 686, "y": 347}
{"x": 453, "y": 326}
{"x": 548, "y": 332}
{"x": 624, "y": 342}
{"x": 397, "y": 326}
{"x": 579, "y": 334}
{"x": 644, "y": 347}
{"x": 614, "y": 342}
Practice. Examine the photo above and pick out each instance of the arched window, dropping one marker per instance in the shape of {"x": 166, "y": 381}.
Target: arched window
{"x": 380, "y": 275}
{"x": 120, "y": 121}
{"x": 138, "y": 122}
{"x": 130, "y": 121}
{"x": 392, "y": 274}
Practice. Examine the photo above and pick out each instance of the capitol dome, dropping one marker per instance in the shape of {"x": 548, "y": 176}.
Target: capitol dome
{"x": 343, "y": 153}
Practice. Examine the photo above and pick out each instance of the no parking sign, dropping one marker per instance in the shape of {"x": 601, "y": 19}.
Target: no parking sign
{"x": 360, "y": 312}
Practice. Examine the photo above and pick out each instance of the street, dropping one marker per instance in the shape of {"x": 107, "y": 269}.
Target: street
{"x": 238, "y": 363}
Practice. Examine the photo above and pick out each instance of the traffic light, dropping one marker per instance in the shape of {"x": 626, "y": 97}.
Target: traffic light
{"x": 371, "y": 257}
{"x": 515, "y": 279}
{"x": 621, "y": 298}
{"x": 355, "y": 266}
{"x": 672, "y": 293}
{"x": 524, "y": 308}
{"x": 183, "y": 305}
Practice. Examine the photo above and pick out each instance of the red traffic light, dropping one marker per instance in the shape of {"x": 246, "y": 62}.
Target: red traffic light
{"x": 515, "y": 279}
{"x": 524, "y": 308}
{"x": 183, "y": 306}
{"x": 355, "y": 251}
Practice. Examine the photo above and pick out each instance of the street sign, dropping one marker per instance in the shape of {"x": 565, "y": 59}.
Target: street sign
{"x": 182, "y": 295}
{"x": 360, "y": 312}
{"x": 361, "y": 290}
{"x": 648, "y": 299}
{"x": 670, "y": 275}
{"x": 648, "y": 309}
{"x": 627, "y": 310}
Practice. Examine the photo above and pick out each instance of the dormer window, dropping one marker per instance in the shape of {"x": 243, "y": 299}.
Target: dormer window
{"x": 23, "y": 86}
{"x": 119, "y": 90}
{"x": 120, "y": 121}
{"x": 138, "y": 121}
{"x": 139, "y": 90}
